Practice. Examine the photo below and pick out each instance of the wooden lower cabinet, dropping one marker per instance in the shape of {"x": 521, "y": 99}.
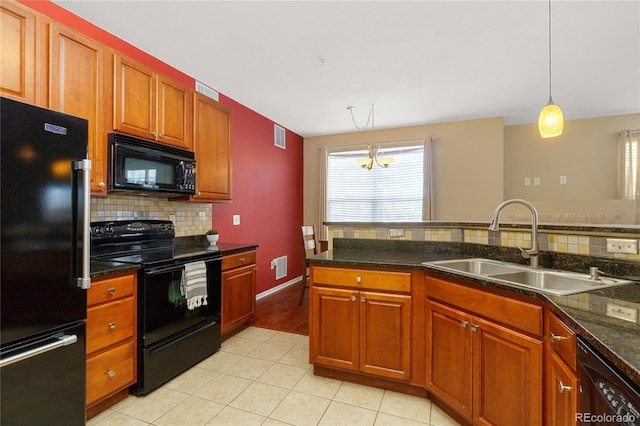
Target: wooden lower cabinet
{"x": 487, "y": 372}
{"x": 111, "y": 337}
{"x": 359, "y": 330}
{"x": 561, "y": 389}
{"x": 238, "y": 291}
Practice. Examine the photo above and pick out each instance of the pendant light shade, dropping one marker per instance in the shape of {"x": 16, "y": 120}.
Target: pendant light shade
{"x": 551, "y": 120}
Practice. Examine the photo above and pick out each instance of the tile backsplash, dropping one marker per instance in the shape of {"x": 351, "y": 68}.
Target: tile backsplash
{"x": 575, "y": 243}
{"x": 191, "y": 218}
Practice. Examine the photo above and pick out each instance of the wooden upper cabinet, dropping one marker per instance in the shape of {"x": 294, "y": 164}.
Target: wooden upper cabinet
{"x": 78, "y": 85}
{"x": 151, "y": 106}
{"x": 212, "y": 146}
{"x": 174, "y": 114}
{"x": 18, "y": 52}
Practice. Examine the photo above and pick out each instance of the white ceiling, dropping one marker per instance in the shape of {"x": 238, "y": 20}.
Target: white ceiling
{"x": 419, "y": 62}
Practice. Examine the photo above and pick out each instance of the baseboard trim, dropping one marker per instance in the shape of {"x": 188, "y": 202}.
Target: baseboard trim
{"x": 277, "y": 288}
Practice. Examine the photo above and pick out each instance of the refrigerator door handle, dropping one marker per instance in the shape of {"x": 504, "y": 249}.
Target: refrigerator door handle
{"x": 82, "y": 231}
{"x": 61, "y": 340}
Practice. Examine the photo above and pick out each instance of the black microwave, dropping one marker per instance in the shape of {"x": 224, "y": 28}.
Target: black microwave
{"x": 151, "y": 168}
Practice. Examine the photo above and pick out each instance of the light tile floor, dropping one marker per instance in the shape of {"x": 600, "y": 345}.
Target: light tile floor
{"x": 263, "y": 377}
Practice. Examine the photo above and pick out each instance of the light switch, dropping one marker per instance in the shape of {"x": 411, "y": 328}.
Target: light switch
{"x": 563, "y": 180}
{"x": 536, "y": 181}
{"x": 527, "y": 181}
{"x": 236, "y": 219}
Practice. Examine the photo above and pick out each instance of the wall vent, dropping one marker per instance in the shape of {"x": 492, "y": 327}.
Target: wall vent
{"x": 281, "y": 267}
{"x": 206, "y": 90}
{"x": 279, "y": 139}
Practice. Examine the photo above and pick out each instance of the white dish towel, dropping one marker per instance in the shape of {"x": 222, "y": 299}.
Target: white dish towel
{"x": 194, "y": 284}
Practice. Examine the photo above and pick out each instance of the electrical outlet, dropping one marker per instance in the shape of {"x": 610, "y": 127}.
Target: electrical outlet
{"x": 620, "y": 245}
{"x": 273, "y": 264}
{"x": 395, "y": 233}
{"x": 172, "y": 218}
{"x": 236, "y": 220}
{"x": 622, "y": 312}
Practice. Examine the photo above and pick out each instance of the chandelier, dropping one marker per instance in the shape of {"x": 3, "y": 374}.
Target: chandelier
{"x": 372, "y": 159}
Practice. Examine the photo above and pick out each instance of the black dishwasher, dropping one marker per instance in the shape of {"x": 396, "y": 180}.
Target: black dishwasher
{"x": 607, "y": 396}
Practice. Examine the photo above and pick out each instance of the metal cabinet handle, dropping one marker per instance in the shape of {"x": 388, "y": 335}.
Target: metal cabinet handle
{"x": 474, "y": 327}
{"x": 562, "y": 387}
{"x": 358, "y": 279}
{"x": 353, "y": 298}
{"x": 464, "y": 324}
{"x": 242, "y": 260}
{"x": 111, "y": 290}
{"x": 102, "y": 184}
{"x": 555, "y": 338}
{"x": 112, "y": 325}
{"x": 154, "y": 134}
{"x": 161, "y": 135}
{"x": 111, "y": 373}
{"x": 362, "y": 299}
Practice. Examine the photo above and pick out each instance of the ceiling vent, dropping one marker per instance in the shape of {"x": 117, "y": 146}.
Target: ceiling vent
{"x": 279, "y": 139}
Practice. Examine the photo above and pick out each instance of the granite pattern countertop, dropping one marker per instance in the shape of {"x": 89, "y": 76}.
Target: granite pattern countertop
{"x": 183, "y": 246}
{"x": 617, "y": 340}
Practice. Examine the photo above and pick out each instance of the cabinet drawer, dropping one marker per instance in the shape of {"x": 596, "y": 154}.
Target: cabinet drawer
{"x": 562, "y": 340}
{"x": 110, "y": 323}
{"x": 110, "y": 371}
{"x": 239, "y": 259}
{"x": 361, "y": 278}
{"x": 515, "y": 313}
{"x": 111, "y": 288}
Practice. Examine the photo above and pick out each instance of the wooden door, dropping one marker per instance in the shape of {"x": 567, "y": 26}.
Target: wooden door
{"x": 78, "y": 67}
{"x": 449, "y": 360}
{"x": 134, "y": 110}
{"x": 212, "y": 146}
{"x": 238, "y": 296}
{"x": 333, "y": 327}
{"x": 561, "y": 392}
{"x": 385, "y": 335}
{"x": 507, "y": 376}
{"x": 175, "y": 113}
{"x": 18, "y": 52}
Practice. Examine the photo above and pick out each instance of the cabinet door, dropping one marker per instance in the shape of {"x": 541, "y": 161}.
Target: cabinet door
{"x": 134, "y": 111}
{"x": 238, "y": 296}
{"x": 385, "y": 335}
{"x": 77, "y": 80}
{"x": 449, "y": 362}
{"x": 18, "y": 52}
{"x": 174, "y": 113}
{"x": 507, "y": 376}
{"x": 562, "y": 392}
{"x": 334, "y": 327}
{"x": 212, "y": 146}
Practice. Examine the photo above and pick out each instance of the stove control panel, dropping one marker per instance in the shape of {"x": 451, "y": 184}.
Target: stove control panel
{"x": 126, "y": 229}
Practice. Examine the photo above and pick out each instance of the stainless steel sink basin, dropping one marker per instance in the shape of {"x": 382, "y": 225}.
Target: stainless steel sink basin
{"x": 477, "y": 266}
{"x": 544, "y": 280}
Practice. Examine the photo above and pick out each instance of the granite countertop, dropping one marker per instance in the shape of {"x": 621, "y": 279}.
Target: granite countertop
{"x": 617, "y": 340}
{"x": 183, "y": 246}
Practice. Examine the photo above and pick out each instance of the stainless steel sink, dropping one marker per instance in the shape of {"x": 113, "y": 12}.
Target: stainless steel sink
{"x": 477, "y": 266}
{"x": 544, "y": 280}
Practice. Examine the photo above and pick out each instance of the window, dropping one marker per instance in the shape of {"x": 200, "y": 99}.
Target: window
{"x": 393, "y": 194}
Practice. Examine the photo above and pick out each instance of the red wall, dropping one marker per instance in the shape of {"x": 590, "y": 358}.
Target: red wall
{"x": 267, "y": 180}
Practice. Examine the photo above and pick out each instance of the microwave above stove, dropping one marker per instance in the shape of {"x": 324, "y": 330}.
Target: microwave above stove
{"x": 148, "y": 167}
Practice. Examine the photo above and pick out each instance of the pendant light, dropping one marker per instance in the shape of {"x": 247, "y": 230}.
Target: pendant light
{"x": 551, "y": 120}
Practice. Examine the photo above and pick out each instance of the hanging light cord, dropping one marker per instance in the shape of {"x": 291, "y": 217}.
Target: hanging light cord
{"x": 550, "y": 50}
{"x": 369, "y": 118}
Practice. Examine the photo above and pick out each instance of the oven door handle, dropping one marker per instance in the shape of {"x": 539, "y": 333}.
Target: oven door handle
{"x": 163, "y": 269}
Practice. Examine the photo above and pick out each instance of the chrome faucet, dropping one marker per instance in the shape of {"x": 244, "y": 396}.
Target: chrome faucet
{"x": 532, "y": 253}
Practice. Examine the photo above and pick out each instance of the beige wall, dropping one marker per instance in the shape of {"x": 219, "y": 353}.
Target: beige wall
{"x": 587, "y": 153}
{"x": 468, "y": 165}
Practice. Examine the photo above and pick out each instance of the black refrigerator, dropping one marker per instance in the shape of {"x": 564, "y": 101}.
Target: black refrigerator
{"x": 44, "y": 271}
